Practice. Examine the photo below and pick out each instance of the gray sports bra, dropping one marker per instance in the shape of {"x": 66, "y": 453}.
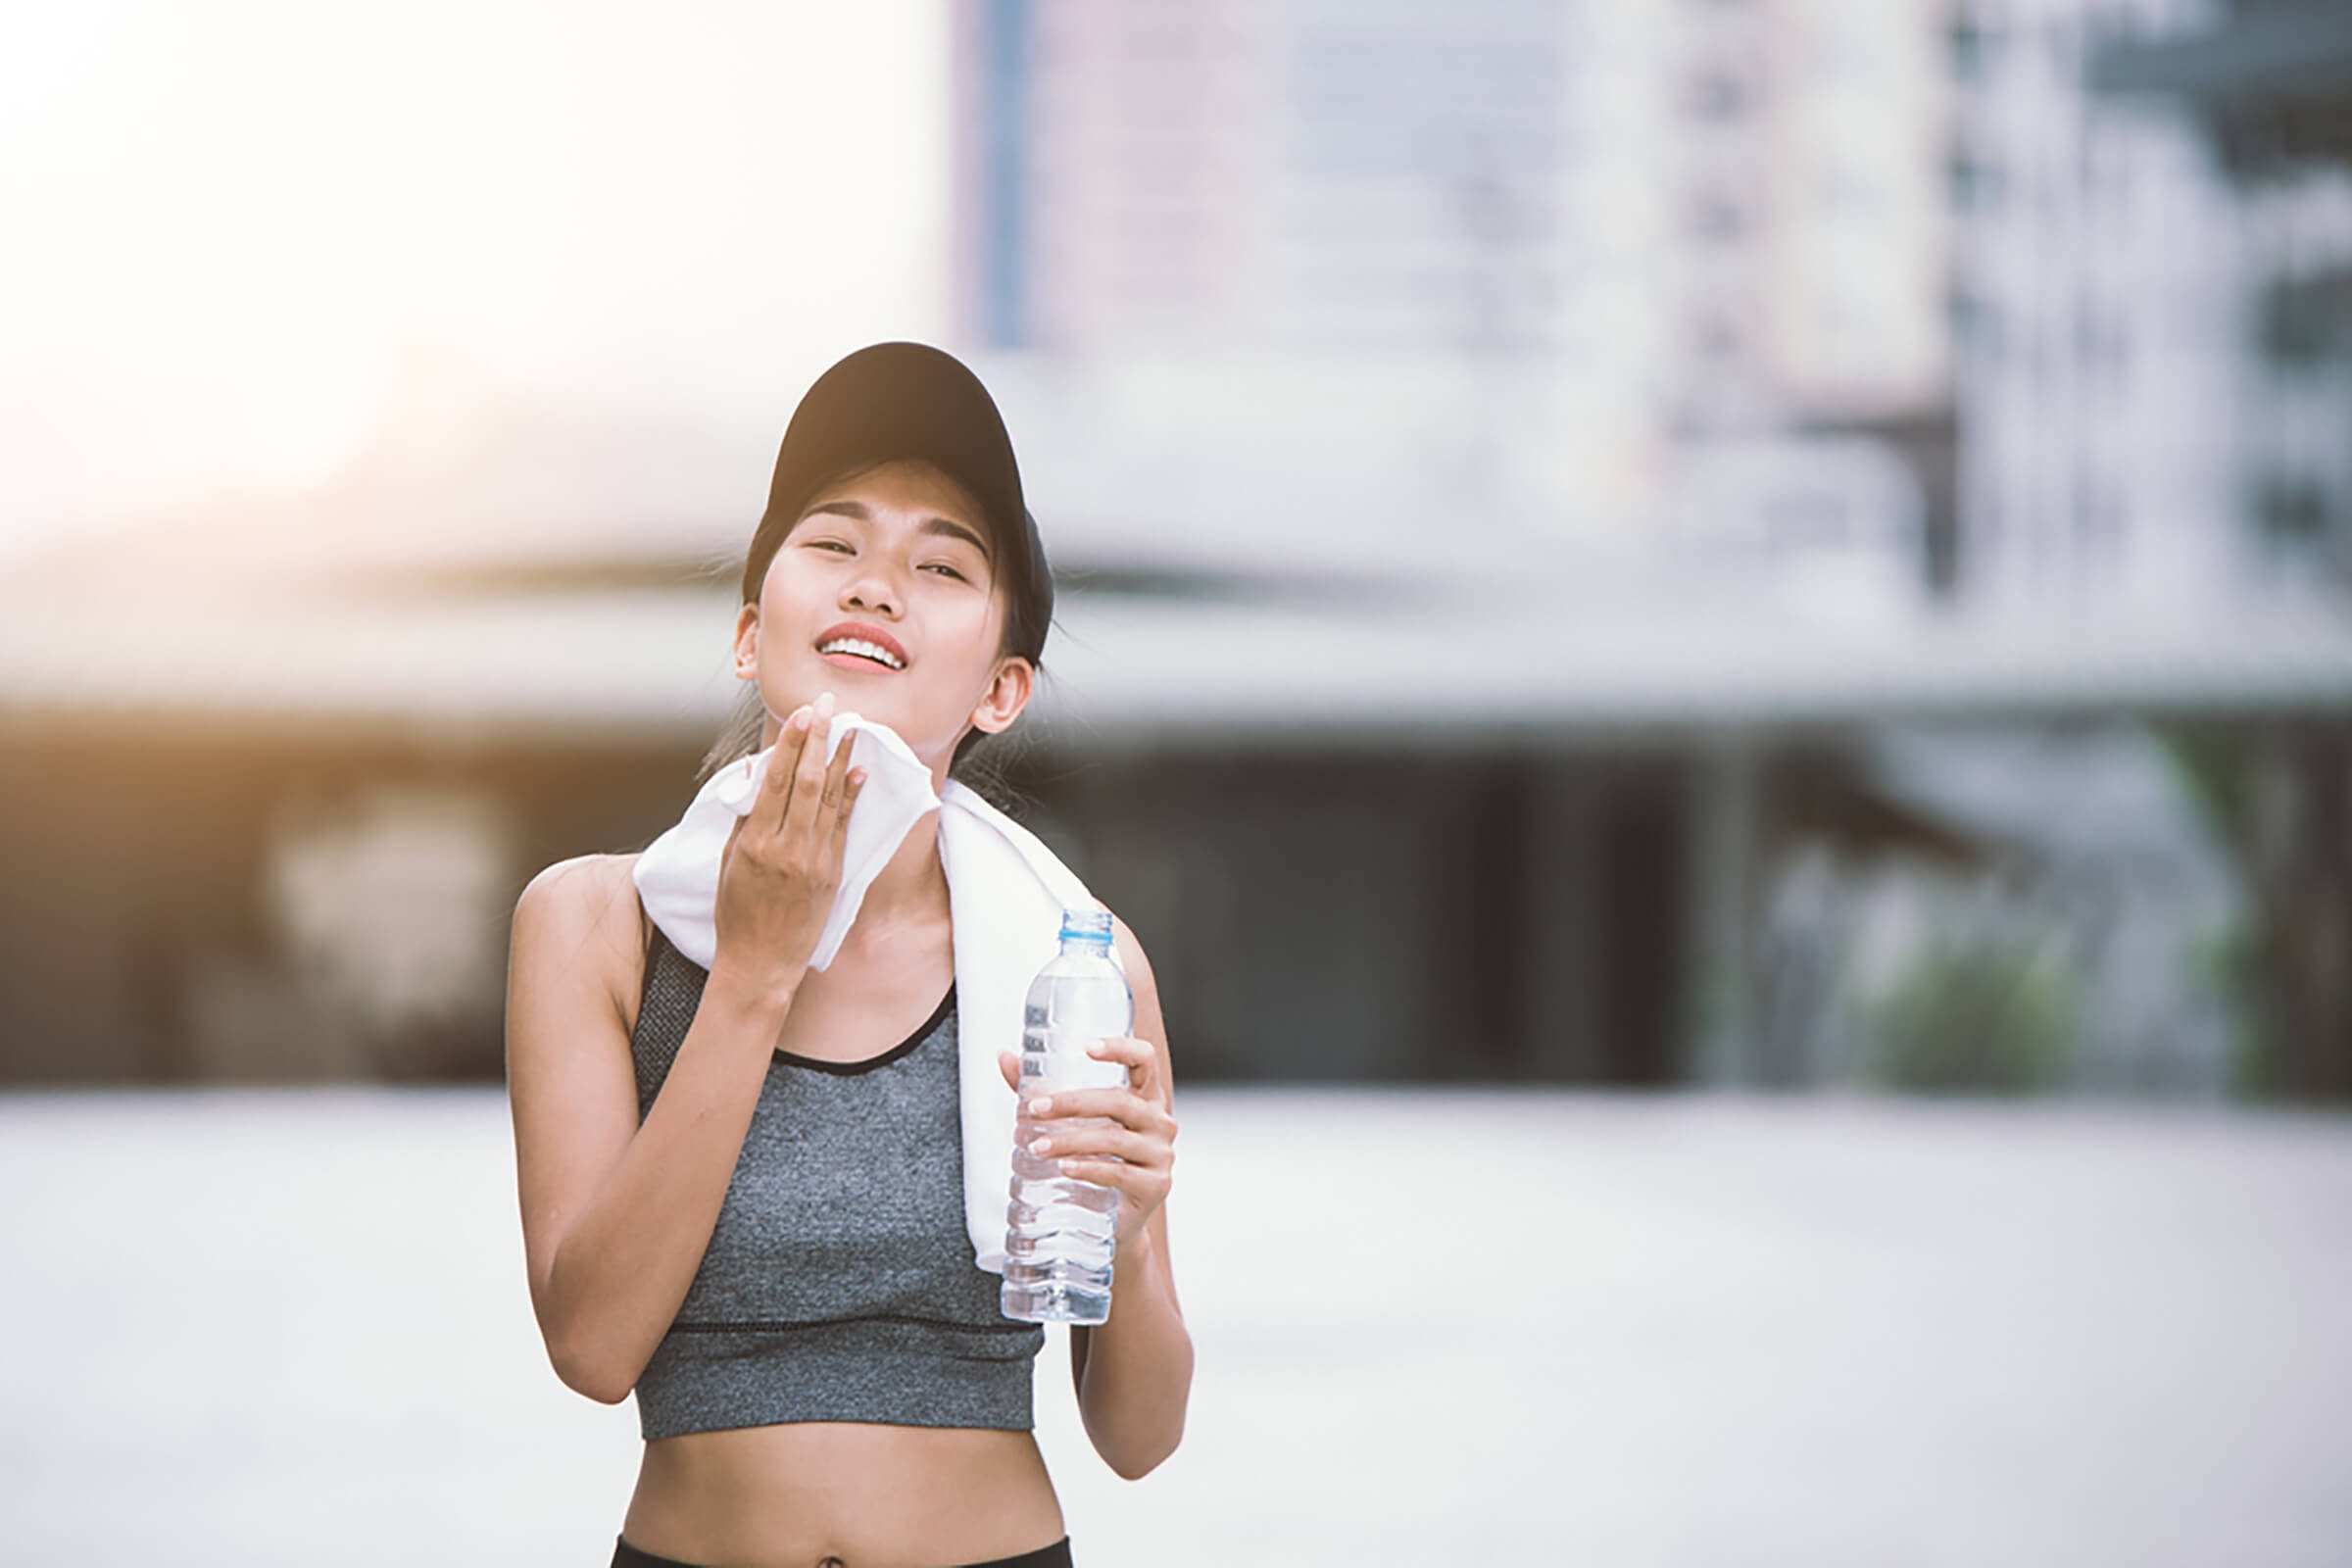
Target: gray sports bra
{"x": 838, "y": 1283}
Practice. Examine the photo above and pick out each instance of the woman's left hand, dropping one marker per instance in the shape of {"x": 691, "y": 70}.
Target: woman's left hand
{"x": 1132, "y": 1149}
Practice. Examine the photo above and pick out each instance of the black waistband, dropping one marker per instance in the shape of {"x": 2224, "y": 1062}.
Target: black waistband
{"x": 1056, "y": 1555}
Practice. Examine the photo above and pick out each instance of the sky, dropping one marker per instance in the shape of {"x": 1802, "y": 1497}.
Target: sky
{"x": 231, "y": 226}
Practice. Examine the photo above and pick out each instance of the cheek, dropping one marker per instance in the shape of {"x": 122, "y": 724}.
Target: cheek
{"x": 974, "y": 634}
{"x": 777, "y": 615}
{"x": 776, "y": 586}
{"x": 784, "y": 592}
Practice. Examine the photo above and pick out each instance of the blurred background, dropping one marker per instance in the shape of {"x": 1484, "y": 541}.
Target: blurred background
{"x": 1731, "y": 618}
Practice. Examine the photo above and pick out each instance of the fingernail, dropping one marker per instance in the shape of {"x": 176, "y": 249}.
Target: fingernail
{"x": 1037, "y": 1145}
{"x": 1038, "y": 1108}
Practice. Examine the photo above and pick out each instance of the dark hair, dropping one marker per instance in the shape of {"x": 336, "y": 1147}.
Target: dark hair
{"x": 1022, "y": 628}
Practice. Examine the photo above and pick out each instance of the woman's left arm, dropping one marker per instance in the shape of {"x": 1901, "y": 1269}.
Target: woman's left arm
{"x": 1134, "y": 1370}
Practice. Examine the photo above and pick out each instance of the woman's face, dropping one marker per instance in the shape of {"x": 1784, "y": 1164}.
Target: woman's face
{"x": 902, "y": 551}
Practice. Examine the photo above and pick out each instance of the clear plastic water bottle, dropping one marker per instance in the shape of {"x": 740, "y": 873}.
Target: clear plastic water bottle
{"x": 1061, "y": 1236}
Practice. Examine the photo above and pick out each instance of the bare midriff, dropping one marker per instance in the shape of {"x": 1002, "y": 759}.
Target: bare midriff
{"x": 843, "y": 1494}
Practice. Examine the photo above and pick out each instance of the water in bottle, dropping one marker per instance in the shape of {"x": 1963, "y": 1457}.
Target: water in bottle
{"x": 1060, "y": 1236}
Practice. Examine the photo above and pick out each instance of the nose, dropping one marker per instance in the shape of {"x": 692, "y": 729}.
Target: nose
{"x": 873, "y": 592}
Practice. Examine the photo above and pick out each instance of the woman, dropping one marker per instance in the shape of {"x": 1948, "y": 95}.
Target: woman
{"x": 740, "y": 1186}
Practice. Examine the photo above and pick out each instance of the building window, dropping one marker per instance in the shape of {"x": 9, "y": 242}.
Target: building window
{"x": 2305, "y": 323}
{"x": 1976, "y": 323}
{"x": 1977, "y": 185}
{"x": 1974, "y": 47}
{"x": 2291, "y": 513}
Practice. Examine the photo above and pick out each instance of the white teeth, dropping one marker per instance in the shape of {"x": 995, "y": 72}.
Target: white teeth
{"x": 859, "y": 645}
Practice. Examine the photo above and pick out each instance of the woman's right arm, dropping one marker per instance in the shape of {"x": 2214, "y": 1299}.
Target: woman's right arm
{"x": 616, "y": 1215}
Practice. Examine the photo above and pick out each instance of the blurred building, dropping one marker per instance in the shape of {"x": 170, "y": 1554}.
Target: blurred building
{"x": 2098, "y": 320}
{"x": 2265, "y": 92}
{"x": 1735, "y": 207}
{"x": 1846, "y": 306}
{"x": 271, "y": 772}
{"x": 1656, "y": 257}
{"x": 1518, "y": 618}
{"x": 2151, "y": 249}
{"x": 2268, "y": 84}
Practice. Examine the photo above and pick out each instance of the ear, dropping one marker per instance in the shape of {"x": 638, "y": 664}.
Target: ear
{"x": 1008, "y": 694}
{"x": 747, "y": 643}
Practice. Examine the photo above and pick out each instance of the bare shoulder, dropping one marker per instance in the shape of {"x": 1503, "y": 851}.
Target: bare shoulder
{"x": 1149, "y": 1023}
{"x": 1132, "y": 958}
{"x": 581, "y": 916}
{"x": 587, "y": 880}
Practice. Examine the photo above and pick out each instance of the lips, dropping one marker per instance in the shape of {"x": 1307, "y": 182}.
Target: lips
{"x": 864, "y": 631}
{"x": 842, "y": 659}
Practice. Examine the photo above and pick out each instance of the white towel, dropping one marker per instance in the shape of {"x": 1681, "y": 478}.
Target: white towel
{"x": 1006, "y": 894}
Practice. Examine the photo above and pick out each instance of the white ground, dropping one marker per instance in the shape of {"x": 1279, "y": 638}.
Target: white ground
{"x": 289, "y": 1327}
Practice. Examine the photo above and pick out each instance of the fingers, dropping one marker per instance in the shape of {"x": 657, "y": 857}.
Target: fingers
{"x": 1115, "y": 1138}
{"x": 842, "y": 783}
{"x": 1100, "y": 1139}
{"x": 1123, "y": 1105}
{"x": 775, "y": 787}
{"x": 1141, "y": 1058}
{"x": 1147, "y": 1185}
{"x": 808, "y": 771}
{"x": 1009, "y": 1063}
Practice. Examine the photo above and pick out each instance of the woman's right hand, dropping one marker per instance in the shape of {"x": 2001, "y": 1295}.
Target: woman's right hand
{"x": 782, "y": 864}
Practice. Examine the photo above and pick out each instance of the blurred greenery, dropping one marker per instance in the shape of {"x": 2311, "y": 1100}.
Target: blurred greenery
{"x": 2219, "y": 963}
{"x": 2212, "y": 772}
{"x": 2216, "y": 772}
{"x": 1992, "y": 1015}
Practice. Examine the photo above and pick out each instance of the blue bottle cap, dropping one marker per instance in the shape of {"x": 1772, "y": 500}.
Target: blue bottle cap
{"x": 1087, "y": 925}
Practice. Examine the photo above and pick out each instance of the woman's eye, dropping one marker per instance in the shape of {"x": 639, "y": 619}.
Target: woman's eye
{"x": 835, "y": 544}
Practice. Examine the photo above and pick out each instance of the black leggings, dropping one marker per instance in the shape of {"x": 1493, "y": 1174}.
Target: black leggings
{"x": 1057, "y": 1556}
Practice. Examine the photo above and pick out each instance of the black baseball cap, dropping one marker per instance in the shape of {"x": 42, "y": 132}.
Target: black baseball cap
{"x": 909, "y": 400}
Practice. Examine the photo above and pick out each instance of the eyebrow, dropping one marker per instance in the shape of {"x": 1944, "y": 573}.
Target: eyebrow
{"x": 945, "y": 528}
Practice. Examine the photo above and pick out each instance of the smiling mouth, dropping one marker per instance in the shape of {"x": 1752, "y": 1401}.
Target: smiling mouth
{"x": 857, "y": 652}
